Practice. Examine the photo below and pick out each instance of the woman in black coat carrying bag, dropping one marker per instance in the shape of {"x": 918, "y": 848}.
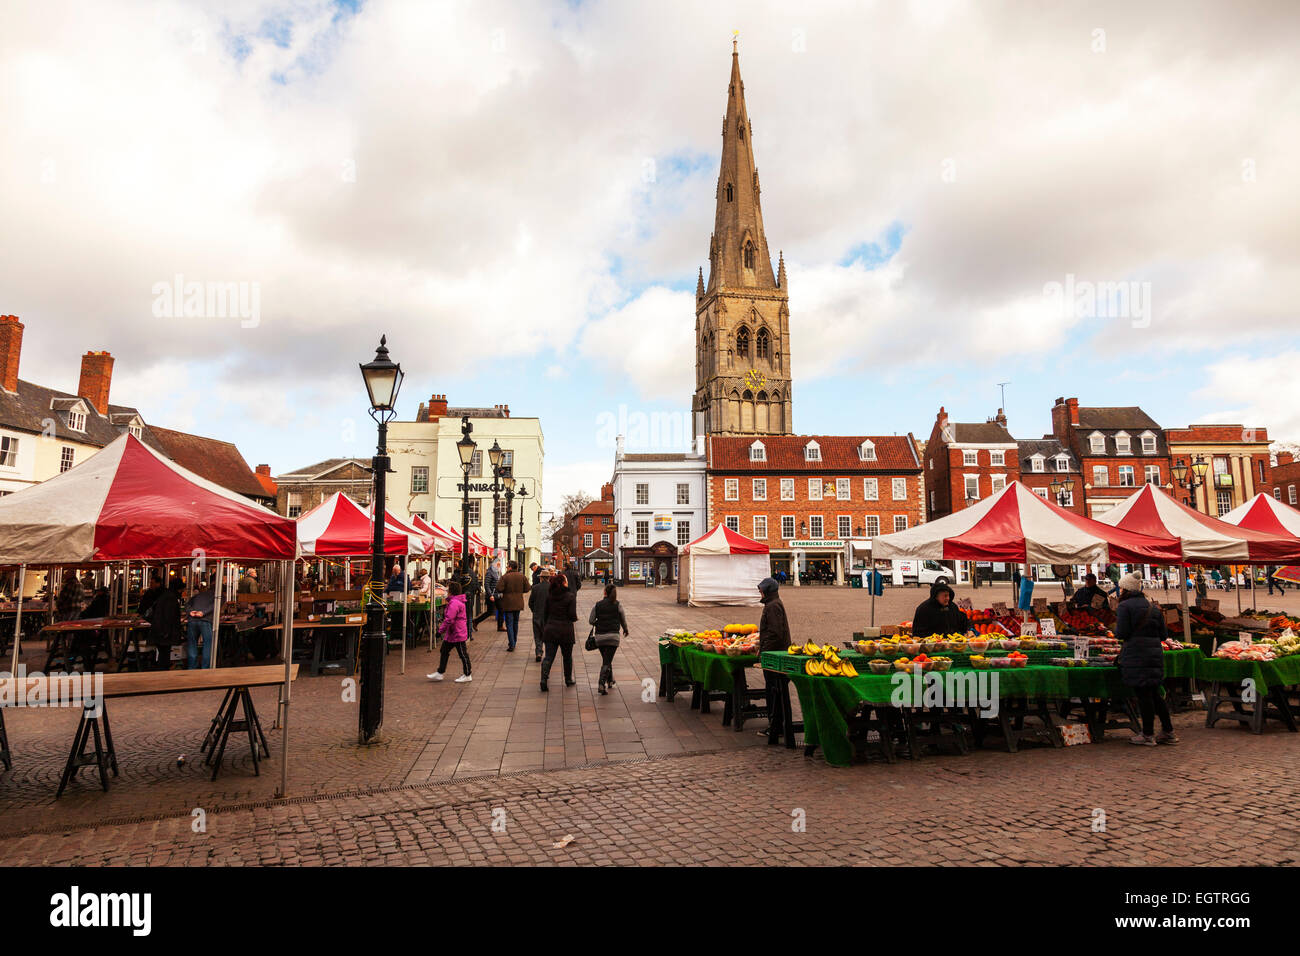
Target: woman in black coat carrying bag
{"x": 561, "y": 612}
{"x": 607, "y": 619}
{"x": 1140, "y": 625}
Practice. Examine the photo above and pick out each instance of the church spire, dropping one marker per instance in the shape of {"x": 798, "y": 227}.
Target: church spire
{"x": 741, "y": 258}
{"x": 780, "y": 270}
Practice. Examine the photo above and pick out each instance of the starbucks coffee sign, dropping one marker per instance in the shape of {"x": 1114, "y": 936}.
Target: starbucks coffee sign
{"x": 818, "y": 543}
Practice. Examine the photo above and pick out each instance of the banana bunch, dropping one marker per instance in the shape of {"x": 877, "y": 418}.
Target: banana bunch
{"x": 810, "y": 649}
{"x": 827, "y": 663}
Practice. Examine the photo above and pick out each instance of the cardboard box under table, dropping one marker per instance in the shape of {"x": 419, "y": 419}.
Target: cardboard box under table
{"x": 711, "y": 677}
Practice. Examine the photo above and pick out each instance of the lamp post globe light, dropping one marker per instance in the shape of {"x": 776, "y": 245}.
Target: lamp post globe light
{"x": 465, "y": 448}
{"x": 521, "y": 539}
{"x": 508, "y": 486}
{"x": 1199, "y": 468}
{"x": 494, "y": 458}
{"x": 622, "y": 556}
{"x": 383, "y": 378}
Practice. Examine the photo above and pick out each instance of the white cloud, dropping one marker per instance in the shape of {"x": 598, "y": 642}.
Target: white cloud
{"x": 648, "y": 343}
{"x": 1234, "y": 394}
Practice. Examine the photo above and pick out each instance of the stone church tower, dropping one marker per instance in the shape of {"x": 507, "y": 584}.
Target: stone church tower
{"x": 742, "y": 315}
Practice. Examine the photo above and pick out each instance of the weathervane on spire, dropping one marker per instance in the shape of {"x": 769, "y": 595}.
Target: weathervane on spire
{"x": 735, "y": 39}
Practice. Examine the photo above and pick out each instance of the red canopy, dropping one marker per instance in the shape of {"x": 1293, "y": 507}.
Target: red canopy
{"x": 1017, "y": 525}
{"x": 338, "y": 526}
{"x": 1150, "y": 511}
{"x": 128, "y": 503}
{"x": 1265, "y": 513}
{"x": 722, "y": 540}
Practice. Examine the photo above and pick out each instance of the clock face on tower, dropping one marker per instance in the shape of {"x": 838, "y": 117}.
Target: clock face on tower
{"x": 754, "y": 379}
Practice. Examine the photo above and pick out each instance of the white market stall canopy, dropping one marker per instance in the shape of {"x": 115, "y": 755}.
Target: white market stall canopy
{"x": 722, "y": 567}
{"x": 1016, "y": 525}
{"x": 1265, "y": 513}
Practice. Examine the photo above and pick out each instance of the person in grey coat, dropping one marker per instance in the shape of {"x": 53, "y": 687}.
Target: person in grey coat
{"x": 608, "y": 619}
{"x": 537, "y": 598}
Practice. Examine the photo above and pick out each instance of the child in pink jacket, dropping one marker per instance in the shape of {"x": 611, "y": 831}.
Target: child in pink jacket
{"x": 454, "y": 631}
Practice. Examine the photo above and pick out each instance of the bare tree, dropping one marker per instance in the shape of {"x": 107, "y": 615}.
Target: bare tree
{"x": 569, "y": 506}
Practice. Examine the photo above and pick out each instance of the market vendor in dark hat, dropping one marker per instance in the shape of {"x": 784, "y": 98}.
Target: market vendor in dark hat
{"x": 1083, "y": 597}
{"x": 773, "y": 635}
{"x": 939, "y": 614}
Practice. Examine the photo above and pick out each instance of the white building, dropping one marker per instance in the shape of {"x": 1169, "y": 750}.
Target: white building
{"x": 659, "y": 505}
{"x": 427, "y": 479}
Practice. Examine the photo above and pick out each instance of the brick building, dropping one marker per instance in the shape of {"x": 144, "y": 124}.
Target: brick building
{"x": 809, "y": 497}
{"x": 302, "y": 489}
{"x": 1285, "y": 479}
{"x": 587, "y": 537}
{"x": 966, "y": 461}
{"x": 1047, "y": 460}
{"x": 1118, "y": 449}
{"x": 1238, "y": 459}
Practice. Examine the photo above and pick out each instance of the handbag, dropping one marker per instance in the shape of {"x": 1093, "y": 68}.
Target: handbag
{"x": 591, "y": 640}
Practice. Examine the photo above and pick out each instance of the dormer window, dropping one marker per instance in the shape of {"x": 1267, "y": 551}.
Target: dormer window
{"x": 1148, "y": 443}
{"x": 758, "y": 452}
{"x": 136, "y": 430}
{"x": 1123, "y": 445}
{"x": 1036, "y": 463}
{"x": 76, "y": 420}
{"x": 1062, "y": 463}
{"x": 812, "y": 452}
{"x": 1097, "y": 443}
{"x": 867, "y": 450}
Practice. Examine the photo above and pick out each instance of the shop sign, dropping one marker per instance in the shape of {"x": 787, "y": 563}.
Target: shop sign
{"x": 663, "y": 522}
{"x": 818, "y": 543}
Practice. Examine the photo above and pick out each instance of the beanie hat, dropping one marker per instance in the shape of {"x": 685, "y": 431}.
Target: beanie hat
{"x": 1131, "y": 582}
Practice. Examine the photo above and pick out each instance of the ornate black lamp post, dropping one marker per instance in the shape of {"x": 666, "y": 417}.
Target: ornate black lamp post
{"x": 494, "y": 457}
{"x": 383, "y": 379}
{"x": 1062, "y": 490}
{"x": 465, "y": 447}
{"x": 1199, "y": 468}
{"x": 521, "y": 540}
{"x": 508, "y": 486}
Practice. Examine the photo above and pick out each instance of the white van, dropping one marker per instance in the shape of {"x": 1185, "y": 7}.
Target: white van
{"x": 923, "y": 573}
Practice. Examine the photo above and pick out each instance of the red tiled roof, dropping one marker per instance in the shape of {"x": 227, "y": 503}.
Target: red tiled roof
{"x": 218, "y": 461}
{"x": 838, "y": 453}
{"x": 268, "y": 484}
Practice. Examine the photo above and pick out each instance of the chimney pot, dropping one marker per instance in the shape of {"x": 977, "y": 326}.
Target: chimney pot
{"x": 96, "y": 379}
{"x": 264, "y": 470}
{"x": 11, "y": 348}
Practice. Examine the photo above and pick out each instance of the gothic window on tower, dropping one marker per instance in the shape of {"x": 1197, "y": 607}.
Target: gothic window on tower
{"x": 749, "y": 253}
{"x": 742, "y": 342}
{"x": 762, "y": 344}
{"x": 728, "y": 192}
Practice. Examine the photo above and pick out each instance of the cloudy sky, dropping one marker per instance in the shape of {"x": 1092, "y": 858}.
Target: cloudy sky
{"x": 519, "y": 194}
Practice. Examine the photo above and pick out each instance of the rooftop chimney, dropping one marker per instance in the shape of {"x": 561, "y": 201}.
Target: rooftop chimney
{"x": 264, "y": 470}
{"x": 1001, "y": 418}
{"x": 437, "y": 407}
{"x": 11, "y": 347}
{"x": 607, "y": 491}
{"x": 96, "y": 377}
{"x": 1285, "y": 458}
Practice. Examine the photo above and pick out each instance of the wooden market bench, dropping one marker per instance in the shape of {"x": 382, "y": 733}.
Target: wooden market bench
{"x": 235, "y": 681}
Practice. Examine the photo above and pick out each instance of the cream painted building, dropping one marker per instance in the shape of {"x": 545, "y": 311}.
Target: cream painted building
{"x": 427, "y": 478}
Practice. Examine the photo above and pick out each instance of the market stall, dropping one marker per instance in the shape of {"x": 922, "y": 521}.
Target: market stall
{"x": 722, "y": 567}
{"x": 129, "y": 503}
{"x": 713, "y": 665}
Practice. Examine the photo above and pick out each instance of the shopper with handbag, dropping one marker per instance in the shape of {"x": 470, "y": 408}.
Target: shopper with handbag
{"x": 561, "y": 612}
{"x": 607, "y": 619}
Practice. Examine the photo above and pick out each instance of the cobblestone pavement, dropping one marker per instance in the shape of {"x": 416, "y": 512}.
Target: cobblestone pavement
{"x": 631, "y": 781}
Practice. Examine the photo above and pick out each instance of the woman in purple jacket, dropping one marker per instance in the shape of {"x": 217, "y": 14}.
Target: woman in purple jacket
{"x": 454, "y": 631}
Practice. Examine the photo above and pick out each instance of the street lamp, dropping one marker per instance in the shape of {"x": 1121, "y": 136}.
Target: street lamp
{"x": 494, "y": 457}
{"x": 466, "y": 448}
{"x": 508, "y": 485}
{"x": 623, "y": 553}
{"x": 1199, "y": 468}
{"x": 1062, "y": 490}
{"x": 383, "y": 378}
{"x": 972, "y": 565}
{"x": 521, "y": 540}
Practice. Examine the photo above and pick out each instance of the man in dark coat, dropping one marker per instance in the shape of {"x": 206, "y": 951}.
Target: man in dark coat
{"x": 165, "y": 623}
{"x": 1083, "y": 597}
{"x": 773, "y": 635}
{"x": 939, "y": 615}
{"x": 510, "y": 601}
{"x": 537, "y": 604}
{"x": 1140, "y": 625}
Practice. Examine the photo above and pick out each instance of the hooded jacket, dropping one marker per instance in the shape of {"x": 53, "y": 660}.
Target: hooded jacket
{"x": 931, "y": 617}
{"x": 453, "y": 628}
{"x": 773, "y": 626}
{"x": 561, "y": 612}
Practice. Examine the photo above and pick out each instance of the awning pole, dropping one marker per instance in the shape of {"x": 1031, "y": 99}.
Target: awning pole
{"x": 1236, "y": 587}
{"x": 287, "y": 612}
{"x": 406, "y": 587}
{"x": 18, "y": 620}
{"x": 216, "y": 612}
{"x": 1187, "y": 618}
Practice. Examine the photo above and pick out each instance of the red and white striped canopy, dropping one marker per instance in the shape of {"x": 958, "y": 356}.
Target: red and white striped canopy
{"x": 722, "y": 540}
{"x": 1265, "y": 513}
{"x": 405, "y": 527}
{"x": 443, "y": 540}
{"x": 339, "y": 526}
{"x": 1018, "y": 525}
{"x": 1205, "y": 539}
{"x": 129, "y": 503}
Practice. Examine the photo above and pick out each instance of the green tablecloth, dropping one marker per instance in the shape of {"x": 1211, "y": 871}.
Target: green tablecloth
{"x": 714, "y": 671}
{"x": 826, "y": 701}
{"x": 1279, "y": 673}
